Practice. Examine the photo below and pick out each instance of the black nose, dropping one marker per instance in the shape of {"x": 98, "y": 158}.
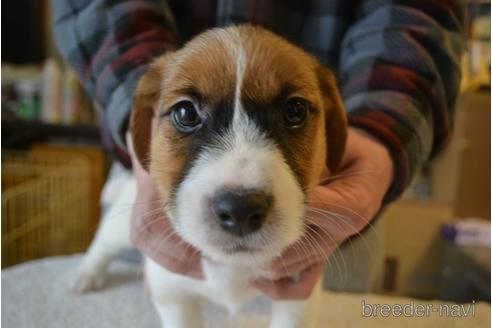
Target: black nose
{"x": 241, "y": 212}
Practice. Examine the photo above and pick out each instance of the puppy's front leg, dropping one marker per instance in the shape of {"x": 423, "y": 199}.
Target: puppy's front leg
{"x": 177, "y": 308}
{"x": 297, "y": 314}
{"x": 113, "y": 235}
{"x": 178, "y": 311}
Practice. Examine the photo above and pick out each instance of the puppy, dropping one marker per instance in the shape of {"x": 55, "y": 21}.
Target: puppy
{"x": 236, "y": 129}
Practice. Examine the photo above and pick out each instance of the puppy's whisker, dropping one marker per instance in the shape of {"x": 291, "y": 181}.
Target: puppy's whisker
{"x": 153, "y": 221}
{"x": 337, "y": 252}
{"x": 303, "y": 248}
{"x": 334, "y": 218}
{"x": 166, "y": 233}
{"x": 351, "y": 211}
{"x": 296, "y": 249}
{"x": 340, "y": 219}
{"x": 151, "y": 212}
{"x": 346, "y": 175}
{"x": 333, "y": 249}
{"x": 263, "y": 245}
{"x": 165, "y": 237}
{"x": 178, "y": 244}
{"x": 364, "y": 241}
{"x": 329, "y": 259}
{"x": 194, "y": 250}
{"x": 117, "y": 214}
{"x": 365, "y": 220}
{"x": 134, "y": 203}
{"x": 325, "y": 230}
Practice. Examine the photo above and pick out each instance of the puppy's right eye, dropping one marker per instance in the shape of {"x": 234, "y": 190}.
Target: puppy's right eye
{"x": 185, "y": 116}
{"x": 295, "y": 112}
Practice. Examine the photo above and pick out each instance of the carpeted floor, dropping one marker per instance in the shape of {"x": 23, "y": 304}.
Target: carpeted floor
{"x": 34, "y": 295}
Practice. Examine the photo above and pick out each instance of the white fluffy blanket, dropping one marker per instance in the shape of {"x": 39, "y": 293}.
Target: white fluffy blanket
{"x": 34, "y": 295}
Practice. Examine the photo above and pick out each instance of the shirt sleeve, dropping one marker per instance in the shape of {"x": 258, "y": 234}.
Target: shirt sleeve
{"x": 110, "y": 44}
{"x": 399, "y": 76}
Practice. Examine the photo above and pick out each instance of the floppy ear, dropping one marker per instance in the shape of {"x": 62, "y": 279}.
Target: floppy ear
{"x": 145, "y": 98}
{"x": 335, "y": 119}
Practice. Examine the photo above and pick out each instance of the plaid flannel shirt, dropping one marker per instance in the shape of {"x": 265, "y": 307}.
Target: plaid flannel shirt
{"x": 397, "y": 61}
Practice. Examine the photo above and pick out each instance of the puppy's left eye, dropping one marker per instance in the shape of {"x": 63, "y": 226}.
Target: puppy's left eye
{"x": 185, "y": 116}
{"x": 295, "y": 112}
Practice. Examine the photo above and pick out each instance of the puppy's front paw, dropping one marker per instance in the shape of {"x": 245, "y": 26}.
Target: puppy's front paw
{"x": 84, "y": 281}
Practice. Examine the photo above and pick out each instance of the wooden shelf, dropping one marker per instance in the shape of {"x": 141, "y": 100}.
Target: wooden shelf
{"x": 19, "y": 134}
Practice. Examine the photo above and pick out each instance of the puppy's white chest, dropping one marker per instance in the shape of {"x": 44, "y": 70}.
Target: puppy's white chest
{"x": 228, "y": 285}
{"x": 225, "y": 284}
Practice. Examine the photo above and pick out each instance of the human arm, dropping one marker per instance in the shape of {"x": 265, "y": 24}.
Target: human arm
{"x": 110, "y": 44}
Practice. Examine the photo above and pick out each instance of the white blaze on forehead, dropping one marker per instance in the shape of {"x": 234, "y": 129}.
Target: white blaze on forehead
{"x": 243, "y": 129}
{"x": 240, "y": 56}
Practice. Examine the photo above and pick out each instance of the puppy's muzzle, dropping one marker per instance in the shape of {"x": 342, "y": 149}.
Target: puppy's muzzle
{"x": 241, "y": 212}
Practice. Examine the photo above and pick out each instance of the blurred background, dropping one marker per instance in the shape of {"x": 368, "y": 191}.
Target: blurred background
{"x": 436, "y": 239}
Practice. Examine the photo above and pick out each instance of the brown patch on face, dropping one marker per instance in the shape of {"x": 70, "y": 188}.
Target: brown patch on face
{"x": 277, "y": 71}
{"x": 169, "y": 156}
{"x": 335, "y": 121}
{"x": 204, "y": 68}
{"x": 143, "y": 111}
{"x": 202, "y": 71}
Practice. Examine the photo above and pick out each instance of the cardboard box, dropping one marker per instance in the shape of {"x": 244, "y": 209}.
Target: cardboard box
{"x": 473, "y": 188}
{"x": 460, "y": 175}
{"x": 413, "y": 247}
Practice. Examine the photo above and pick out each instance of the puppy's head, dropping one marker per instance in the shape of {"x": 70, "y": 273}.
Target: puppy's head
{"x": 236, "y": 128}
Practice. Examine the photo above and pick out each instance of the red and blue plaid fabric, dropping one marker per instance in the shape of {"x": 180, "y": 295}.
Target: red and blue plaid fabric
{"x": 397, "y": 61}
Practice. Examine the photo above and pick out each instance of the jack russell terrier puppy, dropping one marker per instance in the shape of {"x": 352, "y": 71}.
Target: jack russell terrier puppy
{"x": 236, "y": 129}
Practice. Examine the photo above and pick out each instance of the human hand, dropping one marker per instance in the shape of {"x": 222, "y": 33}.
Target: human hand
{"x": 341, "y": 206}
{"x": 153, "y": 234}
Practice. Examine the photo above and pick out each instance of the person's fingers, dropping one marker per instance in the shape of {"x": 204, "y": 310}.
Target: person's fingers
{"x": 171, "y": 244}
{"x": 315, "y": 246}
{"x": 292, "y": 269}
{"x": 154, "y": 230}
{"x": 339, "y": 211}
{"x": 355, "y": 193}
{"x": 288, "y": 288}
{"x": 188, "y": 268}
{"x": 170, "y": 251}
{"x": 155, "y": 237}
{"x": 178, "y": 263}
{"x": 147, "y": 216}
